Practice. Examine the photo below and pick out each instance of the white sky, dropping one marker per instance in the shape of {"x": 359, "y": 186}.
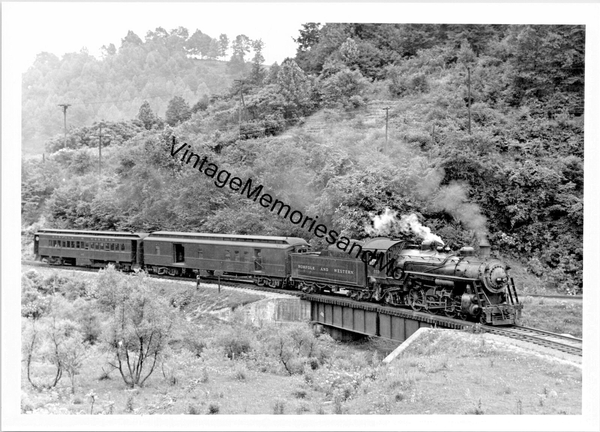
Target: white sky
{"x": 92, "y": 25}
{"x": 30, "y": 28}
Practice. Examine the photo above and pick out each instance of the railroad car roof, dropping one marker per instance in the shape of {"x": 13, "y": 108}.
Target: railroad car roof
{"x": 380, "y": 244}
{"x": 221, "y": 238}
{"x": 220, "y": 243}
{"x": 90, "y": 233}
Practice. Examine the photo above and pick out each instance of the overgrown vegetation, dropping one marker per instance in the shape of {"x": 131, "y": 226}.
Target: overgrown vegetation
{"x": 555, "y": 315}
{"x": 211, "y": 366}
{"x": 485, "y": 134}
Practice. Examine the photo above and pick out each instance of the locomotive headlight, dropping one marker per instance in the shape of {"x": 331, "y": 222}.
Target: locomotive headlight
{"x": 496, "y": 277}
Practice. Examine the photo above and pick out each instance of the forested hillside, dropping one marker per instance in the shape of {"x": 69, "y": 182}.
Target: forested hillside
{"x": 484, "y": 137}
{"x": 164, "y": 65}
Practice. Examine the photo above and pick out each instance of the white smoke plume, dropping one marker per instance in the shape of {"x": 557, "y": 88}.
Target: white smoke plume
{"x": 388, "y": 224}
{"x": 453, "y": 199}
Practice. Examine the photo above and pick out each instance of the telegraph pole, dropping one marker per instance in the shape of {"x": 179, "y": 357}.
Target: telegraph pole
{"x": 469, "y": 96}
{"x": 100, "y": 152}
{"x": 65, "y": 106}
{"x": 241, "y": 83}
{"x": 387, "y": 116}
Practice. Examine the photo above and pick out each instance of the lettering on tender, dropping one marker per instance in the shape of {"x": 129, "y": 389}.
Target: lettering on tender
{"x": 343, "y": 271}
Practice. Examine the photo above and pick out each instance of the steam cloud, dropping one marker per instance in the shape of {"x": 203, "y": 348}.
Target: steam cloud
{"x": 453, "y": 199}
{"x": 388, "y": 224}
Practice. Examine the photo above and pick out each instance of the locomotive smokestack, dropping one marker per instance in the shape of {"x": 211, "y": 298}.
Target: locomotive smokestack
{"x": 484, "y": 247}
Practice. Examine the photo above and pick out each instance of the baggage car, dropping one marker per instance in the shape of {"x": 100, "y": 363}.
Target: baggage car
{"x": 264, "y": 259}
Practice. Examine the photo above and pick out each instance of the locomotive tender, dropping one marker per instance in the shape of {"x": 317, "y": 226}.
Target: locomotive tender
{"x": 424, "y": 277}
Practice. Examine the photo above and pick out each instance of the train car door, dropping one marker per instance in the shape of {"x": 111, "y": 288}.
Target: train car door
{"x": 134, "y": 251}
{"x": 178, "y": 253}
{"x": 258, "y": 262}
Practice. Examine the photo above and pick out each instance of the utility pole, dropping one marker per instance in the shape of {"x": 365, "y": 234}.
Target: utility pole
{"x": 241, "y": 83}
{"x": 469, "y": 96}
{"x": 100, "y": 152}
{"x": 387, "y": 116}
{"x": 65, "y": 106}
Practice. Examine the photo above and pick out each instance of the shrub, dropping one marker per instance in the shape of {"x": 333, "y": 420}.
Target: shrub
{"x": 140, "y": 325}
{"x": 105, "y": 375}
{"x": 346, "y": 88}
{"x": 193, "y": 410}
{"x": 234, "y": 343}
{"x": 213, "y": 408}
{"x": 293, "y": 347}
{"x": 401, "y": 83}
{"x": 204, "y": 376}
{"x": 89, "y": 323}
{"x": 129, "y": 404}
{"x": 240, "y": 373}
{"x": 279, "y": 407}
{"x": 56, "y": 341}
{"x": 299, "y": 393}
{"x": 73, "y": 289}
{"x": 33, "y": 303}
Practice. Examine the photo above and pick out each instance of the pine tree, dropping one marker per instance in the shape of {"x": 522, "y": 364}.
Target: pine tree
{"x": 178, "y": 111}
{"x": 147, "y": 116}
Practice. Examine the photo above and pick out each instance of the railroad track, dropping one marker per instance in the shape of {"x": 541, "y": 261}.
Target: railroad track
{"x": 556, "y": 341}
{"x": 229, "y": 283}
{"x": 563, "y": 343}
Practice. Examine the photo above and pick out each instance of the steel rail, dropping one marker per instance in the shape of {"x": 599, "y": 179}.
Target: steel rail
{"x": 536, "y": 336}
{"x": 540, "y": 337}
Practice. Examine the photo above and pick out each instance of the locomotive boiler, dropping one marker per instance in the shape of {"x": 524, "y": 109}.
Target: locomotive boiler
{"x": 462, "y": 284}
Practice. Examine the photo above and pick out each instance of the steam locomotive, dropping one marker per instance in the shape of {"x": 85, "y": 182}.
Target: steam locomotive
{"x": 425, "y": 277}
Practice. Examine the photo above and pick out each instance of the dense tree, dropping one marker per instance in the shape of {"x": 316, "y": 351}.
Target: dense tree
{"x": 257, "y": 74}
{"x": 240, "y": 46}
{"x": 296, "y": 88}
{"x": 344, "y": 87}
{"x": 201, "y": 105}
{"x": 147, "y": 116}
{"x": 131, "y": 38}
{"x": 223, "y": 44}
{"x": 109, "y": 50}
{"x": 200, "y": 44}
{"x": 178, "y": 111}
